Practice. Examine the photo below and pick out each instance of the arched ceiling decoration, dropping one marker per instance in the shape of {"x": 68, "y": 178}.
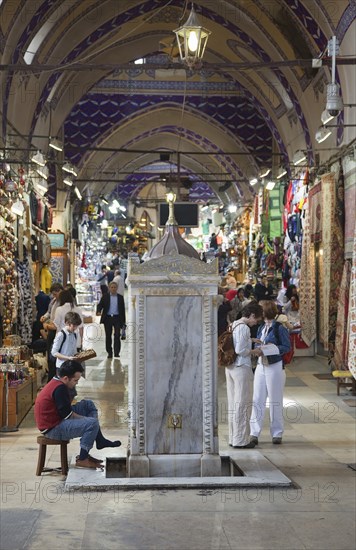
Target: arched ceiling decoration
{"x": 251, "y": 104}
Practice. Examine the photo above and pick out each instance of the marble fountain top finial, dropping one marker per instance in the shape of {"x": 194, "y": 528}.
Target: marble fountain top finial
{"x": 172, "y": 241}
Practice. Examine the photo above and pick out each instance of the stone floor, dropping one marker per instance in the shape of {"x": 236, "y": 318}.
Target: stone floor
{"x": 317, "y": 512}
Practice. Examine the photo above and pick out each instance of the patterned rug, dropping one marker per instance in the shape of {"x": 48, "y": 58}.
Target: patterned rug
{"x": 341, "y": 340}
{"x": 333, "y": 255}
{"x": 352, "y": 315}
{"x": 337, "y": 260}
{"x": 328, "y": 193}
{"x": 307, "y": 286}
{"x": 315, "y": 210}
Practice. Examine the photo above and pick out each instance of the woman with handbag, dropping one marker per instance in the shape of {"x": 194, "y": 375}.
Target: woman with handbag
{"x": 239, "y": 377}
{"x": 270, "y": 376}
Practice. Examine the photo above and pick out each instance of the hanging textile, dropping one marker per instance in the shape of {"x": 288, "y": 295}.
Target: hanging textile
{"x": 352, "y": 314}
{"x": 336, "y": 259}
{"x": 328, "y": 216}
{"x": 307, "y": 302}
{"x": 340, "y": 357}
{"x": 25, "y": 302}
{"x": 315, "y": 209}
{"x": 350, "y": 206}
{"x": 333, "y": 255}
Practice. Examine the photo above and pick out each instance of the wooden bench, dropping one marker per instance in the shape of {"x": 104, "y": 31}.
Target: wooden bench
{"x": 344, "y": 379}
{"x": 43, "y": 442}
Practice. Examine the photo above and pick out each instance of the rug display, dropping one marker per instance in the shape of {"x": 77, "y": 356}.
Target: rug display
{"x": 336, "y": 259}
{"x": 315, "y": 209}
{"x": 333, "y": 256}
{"x": 350, "y": 205}
{"x": 352, "y": 314}
{"x": 328, "y": 199}
{"x": 307, "y": 300}
{"x": 341, "y": 341}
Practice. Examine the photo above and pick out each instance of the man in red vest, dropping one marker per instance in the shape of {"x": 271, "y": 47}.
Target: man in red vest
{"x": 57, "y": 418}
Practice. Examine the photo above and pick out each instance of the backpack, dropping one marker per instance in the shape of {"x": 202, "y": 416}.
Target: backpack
{"x": 288, "y": 356}
{"x": 226, "y": 348}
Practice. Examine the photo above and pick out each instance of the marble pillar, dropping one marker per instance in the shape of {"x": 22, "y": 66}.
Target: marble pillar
{"x": 172, "y": 334}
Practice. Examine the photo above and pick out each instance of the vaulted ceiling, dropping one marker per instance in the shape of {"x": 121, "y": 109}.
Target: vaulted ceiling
{"x": 68, "y": 70}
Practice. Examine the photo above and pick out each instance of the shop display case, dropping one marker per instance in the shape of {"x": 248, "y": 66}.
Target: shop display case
{"x": 19, "y": 383}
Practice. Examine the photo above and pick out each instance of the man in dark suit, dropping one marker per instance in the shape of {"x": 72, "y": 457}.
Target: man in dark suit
{"x": 112, "y": 310}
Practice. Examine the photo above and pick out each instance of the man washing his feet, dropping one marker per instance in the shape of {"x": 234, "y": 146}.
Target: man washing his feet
{"x": 57, "y": 418}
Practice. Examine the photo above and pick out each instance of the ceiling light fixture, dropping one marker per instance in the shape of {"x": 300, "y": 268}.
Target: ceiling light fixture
{"x": 282, "y": 172}
{"x": 299, "y": 157}
{"x": 68, "y": 181}
{"x": 264, "y": 173}
{"x": 192, "y": 39}
{"x": 43, "y": 172}
{"x": 270, "y": 185}
{"x": 67, "y": 167}
{"x": 42, "y": 186}
{"x": 38, "y": 158}
{"x": 322, "y": 134}
{"x": 253, "y": 181}
{"x": 113, "y": 209}
{"x": 55, "y": 144}
{"x": 232, "y": 208}
{"x": 77, "y": 192}
{"x": 103, "y": 199}
{"x": 326, "y": 117}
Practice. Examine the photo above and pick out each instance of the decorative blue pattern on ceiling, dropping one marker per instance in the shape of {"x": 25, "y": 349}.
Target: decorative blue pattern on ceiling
{"x": 97, "y": 115}
{"x": 200, "y": 191}
{"x": 308, "y": 22}
{"x": 147, "y": 7}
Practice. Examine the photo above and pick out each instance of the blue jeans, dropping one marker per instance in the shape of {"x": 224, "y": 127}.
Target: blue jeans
{"x": 86, "y": 428}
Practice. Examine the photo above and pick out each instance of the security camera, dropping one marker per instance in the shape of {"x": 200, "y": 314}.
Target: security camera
{"x": 334, "y": 104}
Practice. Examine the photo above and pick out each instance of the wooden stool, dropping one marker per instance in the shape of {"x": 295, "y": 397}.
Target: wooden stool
{"x": 345, "y": 379}
{"x": 43, "y": 442}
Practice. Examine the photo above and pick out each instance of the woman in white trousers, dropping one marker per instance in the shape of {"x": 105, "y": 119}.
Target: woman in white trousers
{"x": 239, "y": 378}
{"x": 270, "y": 376}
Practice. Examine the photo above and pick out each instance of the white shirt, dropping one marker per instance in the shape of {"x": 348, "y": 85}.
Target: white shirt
{"x": 242, "y": 343}
{"x": 60, "y": 314}
{"x": 68, "y": 347}
{"x": 120, "y": 284}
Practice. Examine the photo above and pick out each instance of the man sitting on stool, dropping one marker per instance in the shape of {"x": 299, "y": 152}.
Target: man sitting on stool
{"x": 56, "y": 418}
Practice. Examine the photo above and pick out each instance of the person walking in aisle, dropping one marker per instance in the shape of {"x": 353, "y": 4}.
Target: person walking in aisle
{"x": 102, "y": 278}
{"x": 56, "y": 418}
{"x": 119, "y": 280}
{"x": 112, "y": 310}
{"x": 270, "y": 376}
{"x": 66, "y": 303}
{"x": 239, "y": 377}
{"x": 48, "y": 325}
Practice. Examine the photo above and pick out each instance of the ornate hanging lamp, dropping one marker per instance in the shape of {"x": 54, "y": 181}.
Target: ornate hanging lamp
{"x": 192, "y": 39}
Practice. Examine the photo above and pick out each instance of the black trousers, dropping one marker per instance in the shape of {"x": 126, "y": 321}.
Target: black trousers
{"x": 111, "y": 323}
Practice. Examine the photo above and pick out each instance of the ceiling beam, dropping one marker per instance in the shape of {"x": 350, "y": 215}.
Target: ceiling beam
{"x": 36, "y": 67}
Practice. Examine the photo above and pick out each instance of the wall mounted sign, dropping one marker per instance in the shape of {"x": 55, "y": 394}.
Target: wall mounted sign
{"x": 56, "y": 240}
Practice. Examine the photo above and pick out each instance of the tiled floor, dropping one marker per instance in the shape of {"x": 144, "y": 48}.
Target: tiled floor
{"x": 318, "y": 512}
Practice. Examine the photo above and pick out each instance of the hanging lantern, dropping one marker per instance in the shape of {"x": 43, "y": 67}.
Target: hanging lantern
{"x": 192, "y": 39}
